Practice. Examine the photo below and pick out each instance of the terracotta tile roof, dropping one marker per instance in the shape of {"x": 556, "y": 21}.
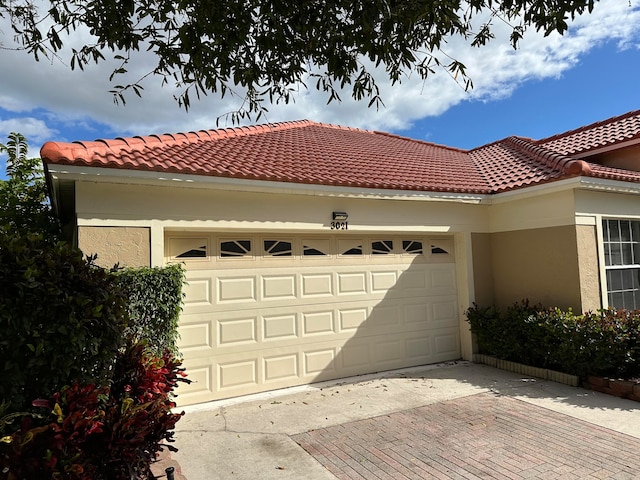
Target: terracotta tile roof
{"x": 301, "y": 152}
{"x": 517, "y": 162}
{"x": 597, "y": 135}
{"x": 312, "y": 153}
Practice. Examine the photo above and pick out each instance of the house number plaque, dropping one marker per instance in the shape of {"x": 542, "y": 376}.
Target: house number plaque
{"x": 339, "y": 225}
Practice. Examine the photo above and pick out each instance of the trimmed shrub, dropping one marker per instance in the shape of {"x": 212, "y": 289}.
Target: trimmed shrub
{"x": 61, "y": 319}
{"x": 604, "y": 343}
{"x": 154, "y": 297}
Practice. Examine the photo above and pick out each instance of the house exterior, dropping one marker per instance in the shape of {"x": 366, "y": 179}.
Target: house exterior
{"x": 317, "y": 251}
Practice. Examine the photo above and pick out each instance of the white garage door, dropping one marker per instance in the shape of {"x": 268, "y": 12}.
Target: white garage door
{"x": 269, "y": 311}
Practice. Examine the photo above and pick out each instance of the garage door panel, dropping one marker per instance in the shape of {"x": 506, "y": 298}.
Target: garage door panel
{"x": 196, "y": 336}
{"x": 351, "y": 283}
{"x": 237, "y": 289}
{"x": 240, "y": 373}
{"x": 198, "y": 292}
{"x": 419, "y": 348}
{"x": 412, "y": 281}
{"x": 446, "y": 343}
{"x": 383, "y": 281}
{"x": 319, "y": 361}
{"x": 352, "y": 318}
{"x": 416, "y": 313}
{"x": 237, "y": 331}
{"x": 356, "y": 355}
{"x": 318, "y": 323}
{"x": 444, "y": 310}
{"x": 278, "y": 287}
{"x": 315, "y": 285}
{"x": 279, "y": 327}
{"x": 202, "y": 380}
{"x": 441, "y": 280}
{"x": 253, "y": 324}
{"x": 383, "y": 317}
{"x": 389, "y": 350}
{"x": 281, "y": 367}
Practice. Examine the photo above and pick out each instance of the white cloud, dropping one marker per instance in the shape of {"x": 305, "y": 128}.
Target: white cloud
{"x": 81, "y": 97}
{"x": 35, "y": 131}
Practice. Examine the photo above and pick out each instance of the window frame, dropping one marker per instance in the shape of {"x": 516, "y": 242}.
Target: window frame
{"x": 605, "y": 242}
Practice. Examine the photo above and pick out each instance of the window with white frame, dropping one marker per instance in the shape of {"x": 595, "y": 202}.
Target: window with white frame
{"x": 622, "y": 262}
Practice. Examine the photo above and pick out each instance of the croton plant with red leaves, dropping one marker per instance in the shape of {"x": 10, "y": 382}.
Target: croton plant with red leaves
{"x": 89, "y": 432}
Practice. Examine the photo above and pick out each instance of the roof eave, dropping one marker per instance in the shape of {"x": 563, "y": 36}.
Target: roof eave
{"x": 572, "y": 183}
{"x": 165, "y": 179}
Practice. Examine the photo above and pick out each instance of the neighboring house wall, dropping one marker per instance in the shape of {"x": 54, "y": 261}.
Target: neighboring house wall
{"x": 125, "y": 246}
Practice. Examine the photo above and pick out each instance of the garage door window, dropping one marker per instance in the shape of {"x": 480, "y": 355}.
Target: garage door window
{"x": 277, "y": 248}
{"x": 192, "y": 248}
{"x": 350, "y": 247}
{"x": 382, "y": 247}
{"x": 198, "y": 252}
{"x": 235, "y": 248}
{"x": 622, "y": 262}
{"x": 412, "y": 247}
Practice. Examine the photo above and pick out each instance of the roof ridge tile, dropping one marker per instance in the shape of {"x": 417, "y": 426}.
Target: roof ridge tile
{"x": 556, "y": 161}
{"x": 415, "y": 140}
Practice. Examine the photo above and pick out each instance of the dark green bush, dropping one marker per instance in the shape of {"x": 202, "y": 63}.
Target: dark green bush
{"x": 61, "y": 319}
{"x": 510, "y": 338}
{"x": 487, "y": 325}
{"x": 154, "y": 297}
{"x": 602, "y": 343}
{"x": 613, "y": 347}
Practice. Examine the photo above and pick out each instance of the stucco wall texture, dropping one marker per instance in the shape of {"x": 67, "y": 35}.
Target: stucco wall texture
{"x": 126, "y": 246}
{"x": 555, "y": 266}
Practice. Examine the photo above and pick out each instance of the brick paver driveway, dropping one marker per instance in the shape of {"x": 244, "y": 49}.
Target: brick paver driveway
{"x": 479, "y": 436}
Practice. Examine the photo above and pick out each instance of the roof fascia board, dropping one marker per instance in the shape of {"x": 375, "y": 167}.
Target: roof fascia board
{"x": 110, "y": 175}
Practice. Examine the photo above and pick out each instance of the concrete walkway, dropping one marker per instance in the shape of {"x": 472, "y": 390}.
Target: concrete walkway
{"x": 450, "y": 421}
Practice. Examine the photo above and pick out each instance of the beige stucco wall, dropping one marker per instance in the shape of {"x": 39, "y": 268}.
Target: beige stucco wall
{"x": 555, "y": 266}
{"x": 482, "y": 269}
{"x": 538, "y": 264}
{"x": 201, "y": 208}
{"x": 126, "y": 246}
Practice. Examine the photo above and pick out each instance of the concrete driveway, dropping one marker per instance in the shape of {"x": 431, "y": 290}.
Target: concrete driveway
{"x": 453, "y": 421}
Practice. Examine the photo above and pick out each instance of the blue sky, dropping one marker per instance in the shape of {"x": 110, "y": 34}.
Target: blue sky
{"x": 604, "y": 83}
{"x": 549, "y": 85}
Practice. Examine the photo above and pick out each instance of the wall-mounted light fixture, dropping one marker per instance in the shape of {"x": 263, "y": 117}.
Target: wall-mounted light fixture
{"x": 340, "y": 216}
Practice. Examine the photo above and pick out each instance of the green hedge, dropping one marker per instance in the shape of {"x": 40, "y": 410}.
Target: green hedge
{"x": 64, "y": 320}
{"x": 61, "y": 320}
{"x": 155, "y": 301}
{"x": 603, "y": 343}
